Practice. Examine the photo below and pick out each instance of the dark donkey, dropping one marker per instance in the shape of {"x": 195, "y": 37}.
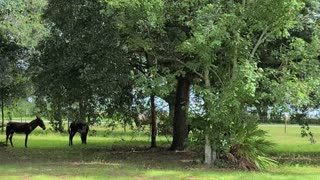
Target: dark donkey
{"x": 80, "y": 127}
{"x": 26, "y": 128}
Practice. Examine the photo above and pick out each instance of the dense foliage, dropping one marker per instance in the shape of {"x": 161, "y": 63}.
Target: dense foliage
{"x": 21, "y": 28}
{"x": 80, "y": 62}
{"x": 243, "y": 60}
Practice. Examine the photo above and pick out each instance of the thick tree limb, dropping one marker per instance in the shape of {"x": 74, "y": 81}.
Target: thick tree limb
{"x": 261, "y": 39}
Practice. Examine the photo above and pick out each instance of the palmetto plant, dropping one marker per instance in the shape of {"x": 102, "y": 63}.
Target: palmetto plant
{"x": 249, "y": 146}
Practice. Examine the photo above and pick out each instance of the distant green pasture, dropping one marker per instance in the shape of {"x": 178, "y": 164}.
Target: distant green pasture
{"x": 291, "y": 142}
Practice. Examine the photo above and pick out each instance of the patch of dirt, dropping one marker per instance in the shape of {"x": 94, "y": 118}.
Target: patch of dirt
{"x": 298, "y": 159}
{"x": 2, "y": 144}
{"x": 147, "y": 156}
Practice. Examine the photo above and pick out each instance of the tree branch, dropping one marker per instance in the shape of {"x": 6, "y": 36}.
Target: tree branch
{"x": 261, "y": 39}
{"x": 183, "y": 63}
{"x": 218, "y": 77}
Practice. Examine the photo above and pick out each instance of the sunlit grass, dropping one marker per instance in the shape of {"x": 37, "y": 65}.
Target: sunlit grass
{"x": 291, "y": 142}
{"x": 113, "y": 155}
{"x": 103, "y": 137}
{"x": 69, "y": 171}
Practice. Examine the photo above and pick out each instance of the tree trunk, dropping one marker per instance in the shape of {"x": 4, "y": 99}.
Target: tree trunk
{"x": 170, "y": 99}
{"x": 2, "y": 113}
{"x": 57, "y": 114}
{"x": 180, "y": 128}
{"x": 207, "y": 149}
{"x": 171, "y": 112}
{"x": 153, "y": 122}
{"x": 209, "y": 153}
{"x": 60, "y": 127}
{"x": 82, "y": 111}
{"x": 262, "y": 111}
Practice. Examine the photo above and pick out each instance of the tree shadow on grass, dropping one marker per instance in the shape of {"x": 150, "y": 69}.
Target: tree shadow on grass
{"x": 136, "y": 156}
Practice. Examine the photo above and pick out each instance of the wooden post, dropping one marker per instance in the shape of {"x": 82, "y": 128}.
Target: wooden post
{"x": 285, "y": 125}
{"x": 286, "y": 118}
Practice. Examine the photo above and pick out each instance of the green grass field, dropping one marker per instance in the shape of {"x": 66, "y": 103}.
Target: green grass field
{"x": 291, "y": 142}
{"x": 118, "y": 155}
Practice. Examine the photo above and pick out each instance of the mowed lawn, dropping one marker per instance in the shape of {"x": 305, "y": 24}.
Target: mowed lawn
{"x": 291, "y": 142}
{"x": 119, "y": 155}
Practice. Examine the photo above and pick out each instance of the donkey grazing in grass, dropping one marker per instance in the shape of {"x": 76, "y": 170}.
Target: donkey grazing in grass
{"x": 25, "y": 128}
{"x": 80, "y": 127}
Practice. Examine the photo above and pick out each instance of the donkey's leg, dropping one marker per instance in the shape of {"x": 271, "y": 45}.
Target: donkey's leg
{"x": 7, "y": 137}
{"x": 84, "y": 138}
{"x": 71, "y": 137}
{"x": 10, "y": 138}
{"x": 26, "y": 141}
{"x": 86, "y": 134}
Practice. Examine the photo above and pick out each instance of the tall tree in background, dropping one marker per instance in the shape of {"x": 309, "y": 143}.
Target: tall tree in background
{"x": 81, "y": 60}
{"x": 20, "y": 30}
{"x": 295, "y": 53}
{"x": 12, "y": 76}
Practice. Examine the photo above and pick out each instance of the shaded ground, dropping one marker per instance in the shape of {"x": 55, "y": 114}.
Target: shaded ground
{"x": 95, "y": 162}
{"x": 125, "y": 162}
{"x": 160, "y": 157}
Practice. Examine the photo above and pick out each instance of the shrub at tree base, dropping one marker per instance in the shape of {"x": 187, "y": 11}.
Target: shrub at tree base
{"x": 248, "y": 146}
{"x": 241, "y": 145}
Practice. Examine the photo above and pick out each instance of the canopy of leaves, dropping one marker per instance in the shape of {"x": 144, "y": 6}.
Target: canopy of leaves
{"x": 20, "y": 30}
{"x": 81, "y": 59}
{"x": 20, "y": 21}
